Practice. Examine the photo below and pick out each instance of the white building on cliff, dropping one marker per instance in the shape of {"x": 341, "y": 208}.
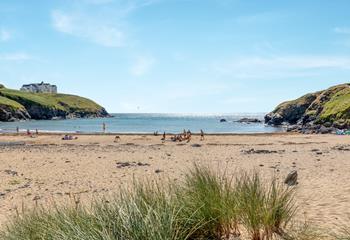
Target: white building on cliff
{"x": 39, "y": 88}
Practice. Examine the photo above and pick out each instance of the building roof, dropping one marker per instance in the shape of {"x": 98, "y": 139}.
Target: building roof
{"x": 38, "y": 84}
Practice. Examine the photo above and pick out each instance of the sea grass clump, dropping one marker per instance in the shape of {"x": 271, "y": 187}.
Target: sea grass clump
{"x": 206, "y": 205}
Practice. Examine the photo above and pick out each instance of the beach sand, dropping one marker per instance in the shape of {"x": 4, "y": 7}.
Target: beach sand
{"x": 46, "y": 169}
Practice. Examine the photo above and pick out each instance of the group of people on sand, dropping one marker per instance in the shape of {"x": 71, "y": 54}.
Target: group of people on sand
{"x": 69, "y": 137}
{"x": 30, "y": 133}
{"x": 185, "y": 136}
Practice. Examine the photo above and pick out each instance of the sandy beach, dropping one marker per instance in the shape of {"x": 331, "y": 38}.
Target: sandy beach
{"x": 45, "y": 169}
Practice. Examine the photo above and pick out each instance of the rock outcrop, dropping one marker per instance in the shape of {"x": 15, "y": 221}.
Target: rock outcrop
{"x": 249, "y": 120}
{"x": 16, "y": 105}
{"x": 292, "y": 178}
{"x": 319, "y": 112}
{"x": 9, "y": 114}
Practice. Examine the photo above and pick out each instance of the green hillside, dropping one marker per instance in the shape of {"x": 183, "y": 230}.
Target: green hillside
{"x": 330, "y": 107}
{"x": 49, "y": 106}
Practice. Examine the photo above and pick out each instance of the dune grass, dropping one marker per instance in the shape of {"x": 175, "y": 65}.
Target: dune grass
{"x": 344, "y": 233}
{"x": 206, "y": 205}
{"x": 210, "y": 204}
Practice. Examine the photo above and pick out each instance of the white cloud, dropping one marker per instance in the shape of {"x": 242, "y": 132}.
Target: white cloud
{"x": 142, "y": 65}
{"x": 100, "y": 24}
{"x": 342, "y": 30}
{"x": 257, "y": 67}
{"x": 15, "y": 57}
{"x": 88, "y": 28}
{"x": 5, "y": 35}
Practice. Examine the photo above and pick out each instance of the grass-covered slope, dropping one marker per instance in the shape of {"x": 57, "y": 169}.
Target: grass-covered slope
{"x": 330, "y": 107}
{"x": 49, "y": 106}
{"x": 11, "y": 110}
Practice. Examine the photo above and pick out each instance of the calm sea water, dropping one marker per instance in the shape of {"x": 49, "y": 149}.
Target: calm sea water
{"x": 147, "y": 123}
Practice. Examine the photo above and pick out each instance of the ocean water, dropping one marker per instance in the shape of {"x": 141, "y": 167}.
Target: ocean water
{"x": 147, "y": 123}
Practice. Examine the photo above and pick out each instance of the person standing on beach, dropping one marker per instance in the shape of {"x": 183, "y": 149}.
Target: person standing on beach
{"x": 104, "y": 127}
{"x": 17, "y": 129}
{"x": 202, "y": 135}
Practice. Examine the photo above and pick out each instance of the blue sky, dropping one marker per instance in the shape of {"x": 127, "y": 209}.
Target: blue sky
{"x": 182, "y": 56}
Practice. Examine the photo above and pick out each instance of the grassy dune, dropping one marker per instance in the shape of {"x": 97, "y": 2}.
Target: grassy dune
{"x": 206, "y": 205}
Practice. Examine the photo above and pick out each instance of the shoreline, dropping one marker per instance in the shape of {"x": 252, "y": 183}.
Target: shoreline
{"x": 151, "y": 134}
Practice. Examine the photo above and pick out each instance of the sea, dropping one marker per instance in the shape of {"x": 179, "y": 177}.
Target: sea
{"x": 148, "y": 123}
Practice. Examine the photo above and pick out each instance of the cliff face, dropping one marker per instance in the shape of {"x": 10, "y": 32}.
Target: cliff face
{"x": 328, "y": 108}
{"x": 18, "y": 105}
{"x": 11, "y": 110}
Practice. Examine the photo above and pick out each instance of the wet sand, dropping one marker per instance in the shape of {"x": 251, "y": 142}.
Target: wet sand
{"x": 46, "y": 169}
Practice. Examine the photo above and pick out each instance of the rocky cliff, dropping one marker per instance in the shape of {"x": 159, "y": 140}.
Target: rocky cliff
{"x": 17, "y": 105}
{"x": 320, "y": 111}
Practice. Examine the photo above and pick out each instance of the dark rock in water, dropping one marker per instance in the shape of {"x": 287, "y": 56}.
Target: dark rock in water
{"x": 275, "y": 119}
{"x": 292, "y": 178}
{"x": 223, "y": 120}
{"x": 320, "y": 112}
{"x": 249, "y": 120}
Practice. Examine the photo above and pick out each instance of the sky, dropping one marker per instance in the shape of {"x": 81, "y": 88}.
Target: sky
{"x": 177, "y": 56}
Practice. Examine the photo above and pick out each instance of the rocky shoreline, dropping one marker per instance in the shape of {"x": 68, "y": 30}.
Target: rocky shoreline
{"x": 321, "y": 112}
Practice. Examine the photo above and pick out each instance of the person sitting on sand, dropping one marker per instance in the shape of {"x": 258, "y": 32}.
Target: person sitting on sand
{"x": 202, "y": 135}
{"x": 69, "y": 137}
{"x": 173, "y": 138}
{"x": 116, "y": 139}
